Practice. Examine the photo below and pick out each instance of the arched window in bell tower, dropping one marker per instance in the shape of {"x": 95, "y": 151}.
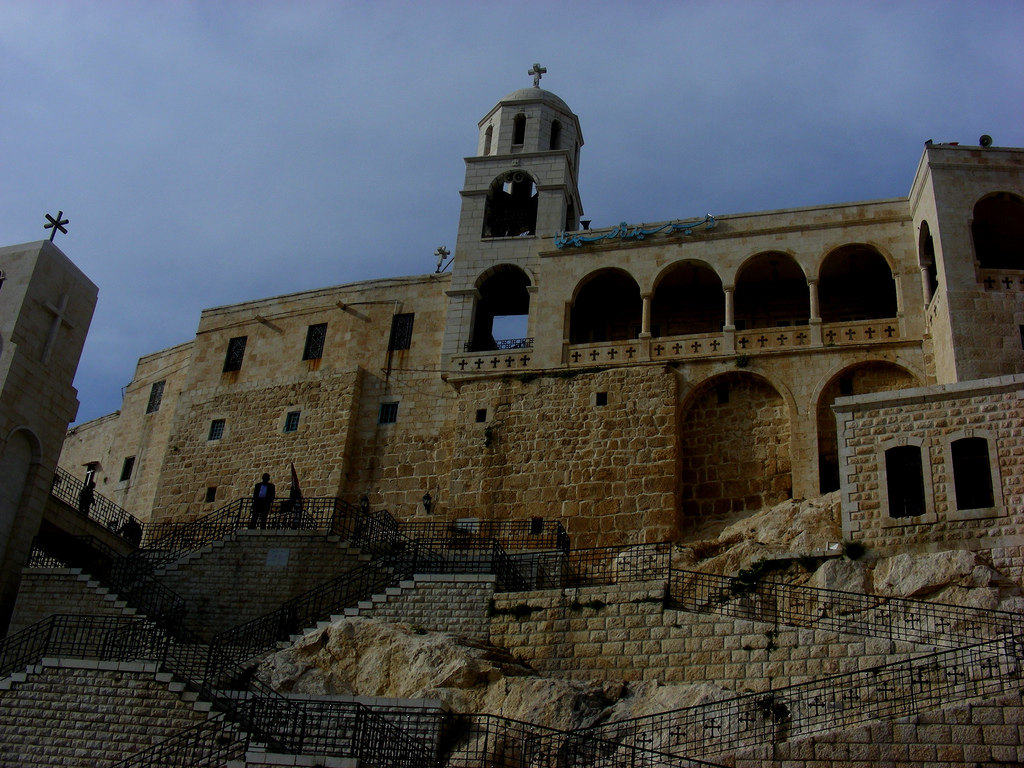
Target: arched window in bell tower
{"x": 511, "y": 208}
{"x": 556, "y": 135}
{"x": 519, "y": 130}
{"x": 926, "y": 261}
{"x": 488, "y": 136}
{"x": 998, "y": 231}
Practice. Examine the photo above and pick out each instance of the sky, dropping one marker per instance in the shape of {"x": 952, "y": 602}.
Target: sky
{"x": 207, "y": 153}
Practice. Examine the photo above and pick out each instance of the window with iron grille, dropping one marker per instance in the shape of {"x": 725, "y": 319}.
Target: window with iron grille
{"x": 156, "y": 396}
{"x": 315, "y": 336}
{"x": 388, "y": 413}
{"x": 291, "y": 421}
{"x": 216, "y": 429}
{"x": 127, "y": 467}
{"x": 236, "y": 351}
{"x": 401, "y": 331}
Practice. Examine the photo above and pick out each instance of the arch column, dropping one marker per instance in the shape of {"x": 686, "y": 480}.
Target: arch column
{"x": 645, "y": 320}
{"x": 926, "y": 286}
{"x": 898, "y": 284}
{"x": 815, "y": 320}
{"x": 729, "y": 329}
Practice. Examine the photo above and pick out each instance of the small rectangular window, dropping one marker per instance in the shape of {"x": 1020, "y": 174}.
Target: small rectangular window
{"x": 315, "y": 336}
{"x": 211, "y": 494}
{"x": 291, "y": 421}
{"x": 236, "y": 351}
{"x": 601, "y": 399}
{"x": 216, "y": 429}
{"x": 401, "y": 331}
{"x": 388, "y": 413}
{"x": 127, "y": 467}
{"x": 481, "y": 415}
{"x": 1022, "y": 337}
{"x": 156, "y": 395}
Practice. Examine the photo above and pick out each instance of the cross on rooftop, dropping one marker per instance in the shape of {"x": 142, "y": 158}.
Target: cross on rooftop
{"x": 55, "y": 223}
{"x": 536, "y": 72}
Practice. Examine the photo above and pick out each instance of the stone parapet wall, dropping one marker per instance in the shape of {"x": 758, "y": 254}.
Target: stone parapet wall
{"x": 253, "y": 572}
{"x": 454, "y": 603}
{"x": 88, "y": 714}
{"x": 624, "y": 632}
{"x": 979, "y": 732}
{"x": 46, "y": 591}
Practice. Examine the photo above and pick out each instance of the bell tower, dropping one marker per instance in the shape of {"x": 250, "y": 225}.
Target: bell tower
{"x": 521, "y": 189}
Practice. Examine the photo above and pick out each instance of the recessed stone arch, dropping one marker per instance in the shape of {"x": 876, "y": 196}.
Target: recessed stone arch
{"x": 926, "y": 262}
{"x": 735, "y": 451}
{"x": 606, "y": 306}
{"x": 858, "y": 379}
{"x": 998, "y": 231}
{"x": 20, "y": 455}
{"x": 688, "y": 298}
{"x": 501, "y": 313}
{"x": 771, "y": 291}
{"x": 511, "y": 207}
{"x": 855, "y": 282}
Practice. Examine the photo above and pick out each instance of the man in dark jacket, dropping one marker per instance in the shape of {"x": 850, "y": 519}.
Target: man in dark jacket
{"x": 262, "y": 499}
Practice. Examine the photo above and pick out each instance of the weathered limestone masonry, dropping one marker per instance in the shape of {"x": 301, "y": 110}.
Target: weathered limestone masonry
{"x": 623, "y": 632}
{"x": 454, "y": 603}
{"x": 89, "y": 714}
{"x": 46, "y": 591}
{"x": 548, "y": 448}
{"x": 252, "y": 572}
{"x": 931, "y": 420}
{"x": 979, "y": 732}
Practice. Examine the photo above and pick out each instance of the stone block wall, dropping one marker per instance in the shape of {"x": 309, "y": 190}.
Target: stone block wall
{"x": 932, "y": 418}
{"x": 980, "y": 732}
{"x": 546, "y": 448}
{"x": 87, "y": 714}
{"x": 46, "y": 591}
{"x": 253, "y": 572}
{"x": 447, "y": 602}
{"x": 623, "y": 632}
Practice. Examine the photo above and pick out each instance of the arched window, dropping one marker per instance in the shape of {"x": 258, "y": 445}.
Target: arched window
{"x": 519, "y": 129}
{"x": 856, "y": 283}
{"x": 608, "y": 307}
{"x": 926, "y": 260}
{"x": 972, "y": 473}
{"x": 511, "y": 208}
{"x": 689, "y": 299}
{"x": 488, "y": 135}
{"x": 502, "y": 311}
{"x": 556, "y": 135}
{"x": 771, "y": 290}
{"x": 904, "y": 481}
{"x": 998, "y": 231}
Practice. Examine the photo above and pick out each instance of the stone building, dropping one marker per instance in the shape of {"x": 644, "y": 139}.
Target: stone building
{"x": 46, "y": 305}
{"x": 636, "y": 382}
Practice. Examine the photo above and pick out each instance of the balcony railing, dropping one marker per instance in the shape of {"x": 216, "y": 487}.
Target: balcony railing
{"x": 492, "y": 344}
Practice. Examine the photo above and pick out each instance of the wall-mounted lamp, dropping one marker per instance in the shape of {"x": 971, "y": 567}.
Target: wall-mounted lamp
{"x": 364, "y": 504}
{"x": 428, "y": 502}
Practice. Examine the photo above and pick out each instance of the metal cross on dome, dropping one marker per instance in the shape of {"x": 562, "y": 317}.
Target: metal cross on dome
{"x": 536, "y": 72}
{"x": 55, "y": 223}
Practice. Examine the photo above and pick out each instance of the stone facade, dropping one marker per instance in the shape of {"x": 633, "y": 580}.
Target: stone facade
{"x": 46, "y": 305}
{"x": 635, "y": 382}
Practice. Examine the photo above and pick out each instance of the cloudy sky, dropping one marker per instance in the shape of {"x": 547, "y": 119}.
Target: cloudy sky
{"x": 212, "y": 152}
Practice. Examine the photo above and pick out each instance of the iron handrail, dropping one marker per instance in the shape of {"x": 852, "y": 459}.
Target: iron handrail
{"x": 827, "y": 704}
{"x": 534, "y": 534}
{"x": 69, "y": 489}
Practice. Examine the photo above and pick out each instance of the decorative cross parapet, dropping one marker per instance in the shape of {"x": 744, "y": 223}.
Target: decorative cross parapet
{"x": 536, "y": 72}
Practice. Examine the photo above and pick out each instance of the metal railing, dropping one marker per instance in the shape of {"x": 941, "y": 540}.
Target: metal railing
{"x": 108, "y": 638}
{"x": 829, "y": 704}
{"x": 69, "y": 489}
{"x": 890, "y": 618}
{"x": 494, "y": 345}
{"x": 512, "y": 535}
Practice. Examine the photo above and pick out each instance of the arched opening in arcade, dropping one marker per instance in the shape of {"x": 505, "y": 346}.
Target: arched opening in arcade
{"x": 860, "y": 379}
{"x": 502, "y": 311}
{"x": 688, "y": 299}
{"x": 607, "y": 307}
{"x": 734, "y": 451}
{"x": 511, "y": 208}
{"x": 771, "y": 291}
{"x": 856, "y": 283}
{"x": 926, "y": 262}
{"x": 998, "y": 231}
